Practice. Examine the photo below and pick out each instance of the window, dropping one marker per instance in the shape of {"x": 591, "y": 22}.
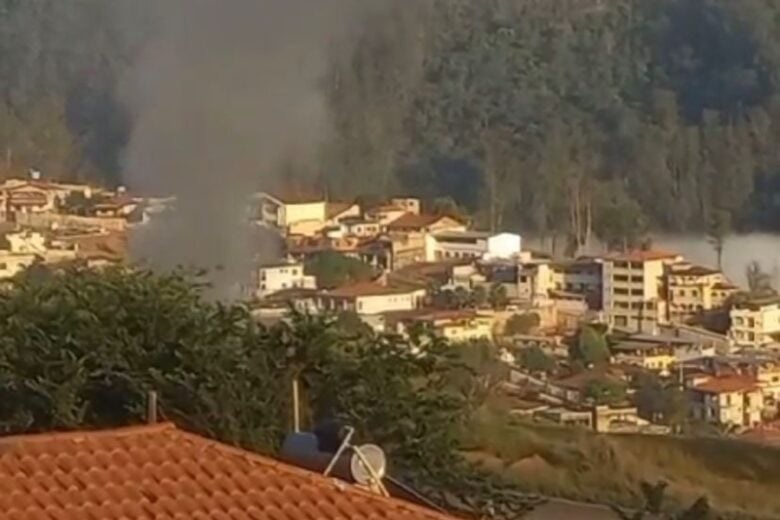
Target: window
{"x": 523, "y": 279}
{"x": 637, "y": 292}
{"x": 695, "y": 293}
{"x": 294, "y": 272}
{"x": 637, "y": 305}
{"x": 621, "y": 291}
{"x": 740, "y": 321}
{"x": 637, "y": 279}
{"x": 682, "y": 293}
{"x": 621, "y": 278}
{"x": 3, "y": 265}
{"x": 636, "y": 265}
{"x": 621, "y": 265}
{"x": 751, "y": 322}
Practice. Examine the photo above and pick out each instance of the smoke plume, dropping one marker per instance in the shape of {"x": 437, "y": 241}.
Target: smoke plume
{"x": 224, "y": 91}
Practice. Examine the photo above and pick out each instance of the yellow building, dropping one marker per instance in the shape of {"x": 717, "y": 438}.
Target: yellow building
{"x": 692, "y": 289}
{"x": 456, "y": 326}
{"x": 656, "y": 357}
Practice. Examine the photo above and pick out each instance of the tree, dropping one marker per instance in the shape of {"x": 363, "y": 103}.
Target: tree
{"x": 536, "y": 360}
{"x": 591, "y": 347}
{"x": 655, "y": 496}
{"x": 333, "y": 269}
{"x": 82, "y": 348}
{"x": 350, "y": 323}
{"x": 498, "y": 297}
{"x": 521, "y": 323}
{"x": 659, "y": 402}
{"x": 717, "y": 230}
{"x": 603, "y": 391}
{"x": 759, "y": 281}
{"x": 479, "y": 296}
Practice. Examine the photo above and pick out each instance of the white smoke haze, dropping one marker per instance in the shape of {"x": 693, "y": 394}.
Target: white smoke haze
{"x": 224, "y": 92}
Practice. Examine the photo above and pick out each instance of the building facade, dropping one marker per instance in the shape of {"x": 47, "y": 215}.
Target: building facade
{"x": 633, "y": 292}
{"x": 694, "y": 289}
{"x": 273, "y": 278}
{"x": 728, "y": 401}
{"x": 755, "y": 323}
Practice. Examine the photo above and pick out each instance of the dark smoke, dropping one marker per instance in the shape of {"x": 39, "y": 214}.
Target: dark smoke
{"x": 223, "y": 93}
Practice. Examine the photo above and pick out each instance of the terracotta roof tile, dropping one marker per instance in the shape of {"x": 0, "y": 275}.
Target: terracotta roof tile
{"x": 413, "y": 221}
{"x": 159, "y": 472}
{"x": 640, "y": 255}
{"x": 728, "y": 384}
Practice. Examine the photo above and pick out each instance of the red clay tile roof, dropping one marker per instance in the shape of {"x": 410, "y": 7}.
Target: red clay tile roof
{"x": 639, "y": 255}
{"x": 159, "y": 472}
{"x": 728, "y": 384}
{"x": 694, "y": 270}
{"x": 334, "y": 209}
{"x": 412, "y": 221}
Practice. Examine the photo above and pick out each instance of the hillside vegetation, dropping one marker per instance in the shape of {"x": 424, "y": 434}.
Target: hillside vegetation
{"x": 740, "y": 479}
{"x": 569, "y": 117}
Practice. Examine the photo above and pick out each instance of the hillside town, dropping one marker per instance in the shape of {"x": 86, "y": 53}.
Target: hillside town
{"x": 604, "y": 342}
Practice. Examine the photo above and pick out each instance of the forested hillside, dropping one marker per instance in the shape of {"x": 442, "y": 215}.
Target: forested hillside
{"x": 563, "y": 116}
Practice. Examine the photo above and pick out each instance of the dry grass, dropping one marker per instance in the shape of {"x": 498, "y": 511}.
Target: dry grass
{"x": 741, "y": 479}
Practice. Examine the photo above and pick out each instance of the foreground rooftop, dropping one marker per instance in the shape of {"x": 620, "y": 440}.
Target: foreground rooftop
{"x": 160, "y": 472}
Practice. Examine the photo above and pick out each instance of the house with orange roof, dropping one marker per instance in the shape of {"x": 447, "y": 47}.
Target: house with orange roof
{"x": 386, "y": 213}
{"x": 424, "y": 223}
{"x": 729, "y": 400}
{"x": 160, "y": 472}
{"x": 633, "y": 292}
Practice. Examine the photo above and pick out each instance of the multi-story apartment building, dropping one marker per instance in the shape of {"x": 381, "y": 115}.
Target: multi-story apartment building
{"x": 633, "y": 292}
{"x": 755, "y": 323}
{"x": 693, "y": 289}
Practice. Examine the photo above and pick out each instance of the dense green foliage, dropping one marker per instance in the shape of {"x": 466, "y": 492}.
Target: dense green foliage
{"x": 566, "y": 116}
{"x": 333, "y": 269}
{"x": 591, "y": 347}
{"x": 82, "y": 349}
{"x": 522, "y": 323}
{"x": 536, "y": 360}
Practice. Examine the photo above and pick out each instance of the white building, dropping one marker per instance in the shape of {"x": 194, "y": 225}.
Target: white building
{"x": 279, "y": 277}
{"x": 633, "y": 292}
{"x": 458, "y": 244}
{"x": 503, "y": 246}
{"x": 755, "y": 323}
{"x": 371, "y": 299}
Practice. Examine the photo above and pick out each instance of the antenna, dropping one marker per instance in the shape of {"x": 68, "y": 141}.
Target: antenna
{"x": 296, "y": 405}
{"x": 151, "y": 407}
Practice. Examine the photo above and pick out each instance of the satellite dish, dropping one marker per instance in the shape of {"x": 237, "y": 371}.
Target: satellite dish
{"x": 372, "y": 455}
